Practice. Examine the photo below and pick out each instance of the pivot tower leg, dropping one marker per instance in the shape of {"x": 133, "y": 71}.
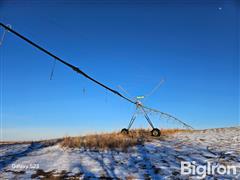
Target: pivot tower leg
{"x": 155, "y": 131}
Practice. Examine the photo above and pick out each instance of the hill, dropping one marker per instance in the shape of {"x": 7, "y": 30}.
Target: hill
{"x": 116, "y": 156}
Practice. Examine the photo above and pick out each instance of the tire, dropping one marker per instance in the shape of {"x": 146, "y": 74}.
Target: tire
{"x": 124, "y": 131}
{"x": 155, "y": 132}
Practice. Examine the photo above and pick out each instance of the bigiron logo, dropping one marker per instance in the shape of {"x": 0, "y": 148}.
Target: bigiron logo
{"x": 201, "y": 171}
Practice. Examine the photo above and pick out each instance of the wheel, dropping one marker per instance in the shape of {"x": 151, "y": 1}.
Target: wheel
{"x": 156, "y": 132}
{"x": 124, "y": 131}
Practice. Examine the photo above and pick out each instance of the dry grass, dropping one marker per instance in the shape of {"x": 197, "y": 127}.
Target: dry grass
{"x": 114, "y": 140}
{"x": 101, "y": 141}
{"x": 173, "y": 131}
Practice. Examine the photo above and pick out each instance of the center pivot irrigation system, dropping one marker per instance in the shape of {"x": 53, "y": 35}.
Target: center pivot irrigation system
{"x": 139, "y": 106}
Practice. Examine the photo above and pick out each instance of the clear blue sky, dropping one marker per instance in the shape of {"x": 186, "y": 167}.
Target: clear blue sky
{"x": 194, "y": 46}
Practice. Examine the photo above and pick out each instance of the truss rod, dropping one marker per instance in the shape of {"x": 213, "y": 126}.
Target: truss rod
{"x": 170, "y": 116}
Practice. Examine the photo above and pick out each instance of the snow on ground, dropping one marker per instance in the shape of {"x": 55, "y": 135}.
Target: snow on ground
{"x": 158, "y": 159}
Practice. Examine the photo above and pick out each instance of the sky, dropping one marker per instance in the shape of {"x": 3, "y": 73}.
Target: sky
{"x": 192, "y": 45}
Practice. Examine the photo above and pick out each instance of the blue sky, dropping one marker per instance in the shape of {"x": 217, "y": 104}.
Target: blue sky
{"x": 193, "y": 46}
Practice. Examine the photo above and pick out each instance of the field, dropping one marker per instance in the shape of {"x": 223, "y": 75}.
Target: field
{"x": 116, "y": 156}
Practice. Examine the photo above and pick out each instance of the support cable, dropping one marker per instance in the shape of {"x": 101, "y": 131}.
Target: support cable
{"x": 2, "y": 37}
{"x": 52, "y": 71}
